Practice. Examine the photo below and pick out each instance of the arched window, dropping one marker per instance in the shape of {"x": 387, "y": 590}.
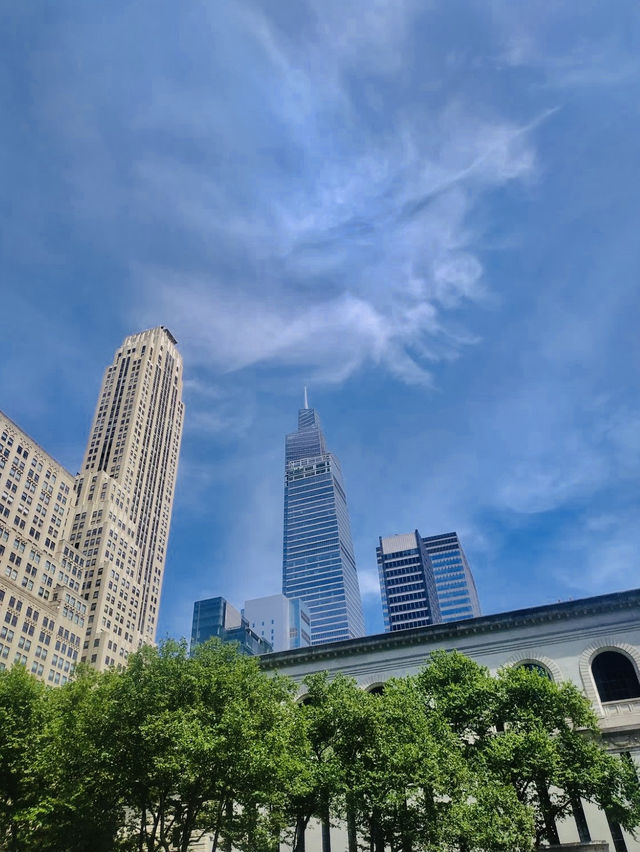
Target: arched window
{"x": 378, "y": 689}
{"x": 532, "y": 666}
{"x": 615, "y": 677}
{"x": 305, "y": 700}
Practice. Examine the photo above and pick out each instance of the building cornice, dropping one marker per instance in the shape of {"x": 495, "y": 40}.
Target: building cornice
{"x": 437, "y": 633}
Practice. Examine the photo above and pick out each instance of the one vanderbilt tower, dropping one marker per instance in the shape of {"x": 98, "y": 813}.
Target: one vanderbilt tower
{"x": 125, "y": 494}
{"x": 318, "y": 564}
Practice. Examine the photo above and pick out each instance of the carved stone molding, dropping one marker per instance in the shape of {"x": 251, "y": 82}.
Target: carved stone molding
{"x": 537, "y": 659}
{"x": 606, "y": 643}
{"x": 623, "y": 740}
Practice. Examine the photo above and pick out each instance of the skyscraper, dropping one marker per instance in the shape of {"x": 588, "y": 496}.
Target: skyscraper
{"x": 424, "y": 580}
{"x": 454, "y": 581}
{"x": 407, "y": 584}
{"x": 318, "y": 562}
{"x": 124, "y": 494}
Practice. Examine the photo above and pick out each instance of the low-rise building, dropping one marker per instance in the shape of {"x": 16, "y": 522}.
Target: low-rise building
{"x": 284, "y": 622}
{"x": 216, "y": 617}
{"x": 593, "y": 643}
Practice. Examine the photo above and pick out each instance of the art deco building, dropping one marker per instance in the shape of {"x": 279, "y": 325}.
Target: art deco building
{"x": 318, "y": 562}
{"x": 43, "y": 615}
{"x": 81, "y": 573}
{"x": 124, "y": 495}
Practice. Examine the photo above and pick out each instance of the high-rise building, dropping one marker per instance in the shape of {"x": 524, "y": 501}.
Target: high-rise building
{"x": 407, "y": 584}
{"x": 43, "y": 614}
{"x": 318, "y": 562}
{"x": 81, "y": 574}
{"x": 283, "y": 622}
{"x": 124, "y": 494}
{"x": 216, "y": 618}
{"x": 424, "y": 580}
{"x": 454, "y": 581}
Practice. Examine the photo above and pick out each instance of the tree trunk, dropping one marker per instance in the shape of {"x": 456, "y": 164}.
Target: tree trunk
{"x": 13, "y": 840}
{"x": 228, "y": 818}
{"x": 406, "y": 844}
{"x": 326, "y": 831}
{"x": 377, "y": 835}
{"x": 547, "y": 814}
{"x": 301, "y": 827}
{"x": 143, "y": 822}
{"x": 352, "y": 834}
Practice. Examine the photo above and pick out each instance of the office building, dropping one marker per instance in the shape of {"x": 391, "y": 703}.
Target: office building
{"x": 424, "y": 580}
{"x": 216, "y": 618}
{"x": 284, "y": 623}
{"x": 318, "y": 563}
{"x": 455, "y": 586}
{"x": 124, "y": 494}
{"x": 43, "y": 614}
{"x": 407, "y": 584}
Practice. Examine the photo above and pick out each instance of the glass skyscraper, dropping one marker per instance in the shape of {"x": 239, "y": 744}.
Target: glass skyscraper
{"x": 424, "y": 581}
{"x": 454, "y": 581}
{"x": 318, "y": 562}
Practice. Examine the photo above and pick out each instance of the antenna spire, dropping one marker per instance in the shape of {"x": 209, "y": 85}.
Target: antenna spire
{"x": 306, "y": 397}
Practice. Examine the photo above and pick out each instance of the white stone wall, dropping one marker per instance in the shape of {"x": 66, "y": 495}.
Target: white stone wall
{"x": 563, "y": 637}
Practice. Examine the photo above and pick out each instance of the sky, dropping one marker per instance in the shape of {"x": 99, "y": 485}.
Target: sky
{"x": 425, "y": 211}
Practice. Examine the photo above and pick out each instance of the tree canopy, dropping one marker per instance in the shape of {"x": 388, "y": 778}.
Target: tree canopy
{"x": 151, "y": 757}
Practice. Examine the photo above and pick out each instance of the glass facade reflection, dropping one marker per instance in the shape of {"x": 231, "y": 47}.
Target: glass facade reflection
{"x": 454, "y": 581}
{"x": 215, "y": 617}
{"x": 318, "y": 562}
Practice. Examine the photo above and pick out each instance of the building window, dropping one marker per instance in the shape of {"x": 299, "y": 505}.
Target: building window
{"x": 615, "y": 677}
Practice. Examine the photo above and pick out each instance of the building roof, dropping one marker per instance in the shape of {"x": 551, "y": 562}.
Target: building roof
{"x": 561, "y": 611}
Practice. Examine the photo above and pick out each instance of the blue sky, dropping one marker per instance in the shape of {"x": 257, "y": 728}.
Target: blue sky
{"x": 426, "y": 211}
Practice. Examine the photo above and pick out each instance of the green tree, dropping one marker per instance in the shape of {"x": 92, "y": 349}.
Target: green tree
{"x": 325, "y": 717}
{"x": 23, "y": 709}
{"x": 549, "y": 746}
{"x": 204, "y": 746}
{"x": 79, "y": 783}
{"x": 540, "y": 737}
{"x": 415, "y": 788}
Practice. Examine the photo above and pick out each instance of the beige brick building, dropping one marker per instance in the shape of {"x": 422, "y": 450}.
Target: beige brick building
{"x": 82, "y": 559}
{"x": 125, "y": 494}
{"x": 43, "y": 615}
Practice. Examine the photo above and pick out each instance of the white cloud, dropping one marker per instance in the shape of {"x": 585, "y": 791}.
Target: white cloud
{"x": 369, "y": 583}
{"x": 363, "y": 267}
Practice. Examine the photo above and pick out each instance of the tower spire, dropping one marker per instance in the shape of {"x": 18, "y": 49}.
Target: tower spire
{"x": 306, "y": 397}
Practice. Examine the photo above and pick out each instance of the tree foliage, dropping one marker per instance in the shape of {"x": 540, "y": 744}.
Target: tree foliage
{"x": 148, "y": 758}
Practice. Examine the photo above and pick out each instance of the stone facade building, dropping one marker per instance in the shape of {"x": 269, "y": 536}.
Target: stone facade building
{"x": 43, "y": 614}
{"x": 594, "y": 643}
{"x": 82, "y": 558}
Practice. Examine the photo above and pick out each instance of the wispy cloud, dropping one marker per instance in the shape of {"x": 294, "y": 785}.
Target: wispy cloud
{"x": 366, "y": 257}
{"x": 440, "y": 198}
